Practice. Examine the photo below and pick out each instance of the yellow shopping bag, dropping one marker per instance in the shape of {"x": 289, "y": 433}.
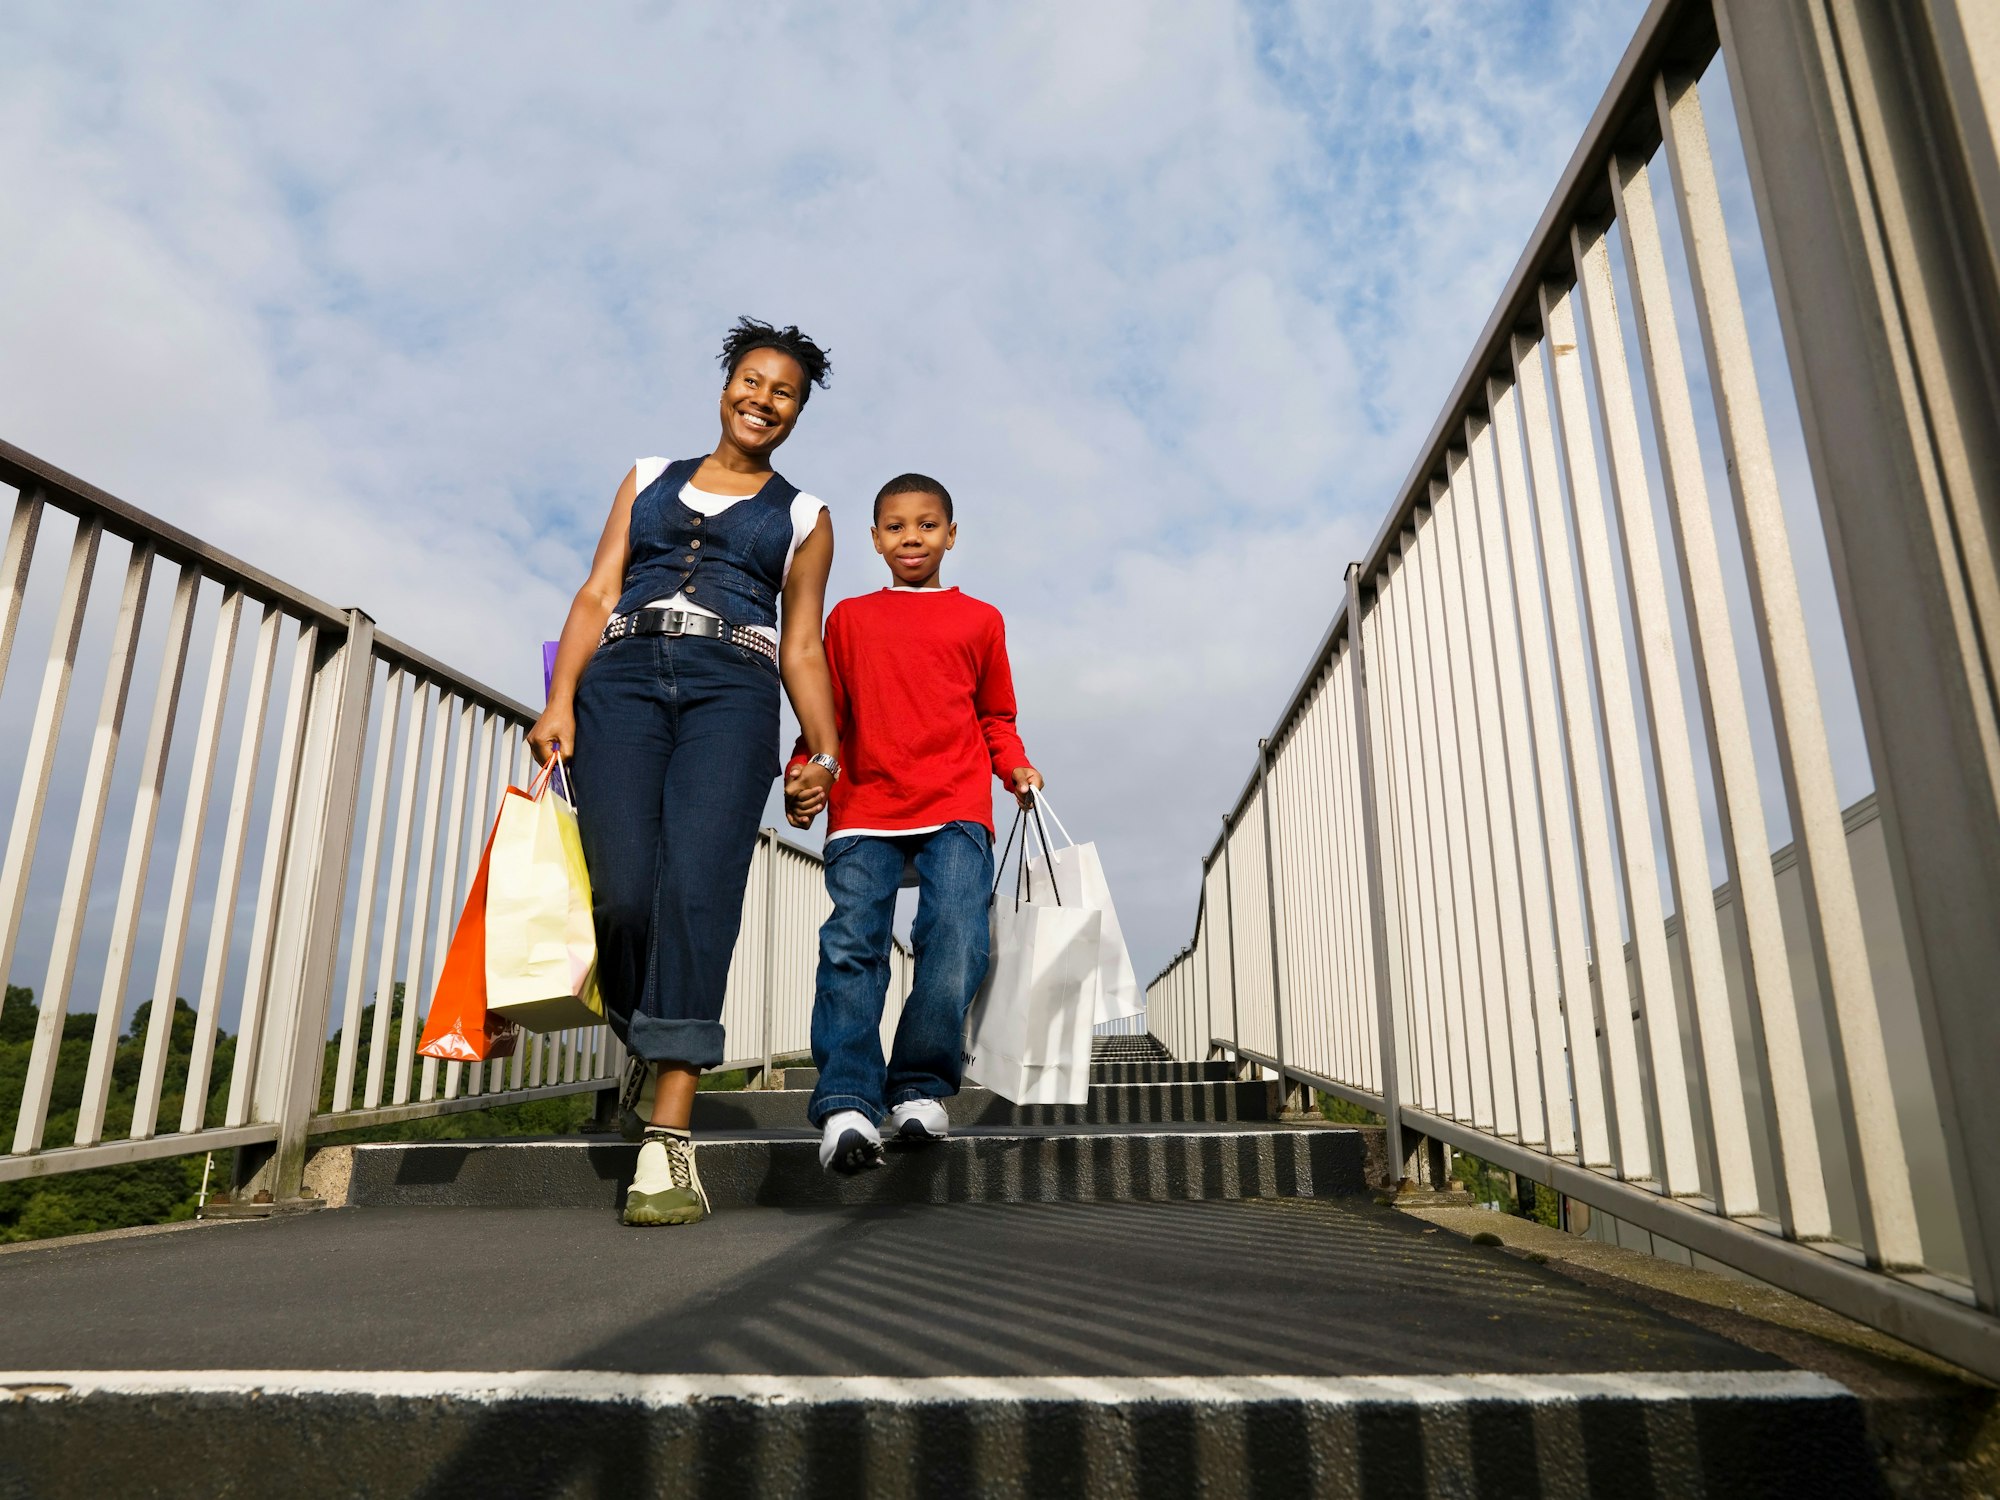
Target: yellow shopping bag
{"x": 541, "y": 947}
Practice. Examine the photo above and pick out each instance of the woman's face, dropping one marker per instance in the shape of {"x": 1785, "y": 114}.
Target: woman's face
{"x": 762, "y": 400}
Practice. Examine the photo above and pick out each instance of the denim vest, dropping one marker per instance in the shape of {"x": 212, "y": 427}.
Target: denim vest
{"x": 733, "y": 564}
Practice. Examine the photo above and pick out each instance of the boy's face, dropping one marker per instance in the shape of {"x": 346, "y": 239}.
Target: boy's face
{"x": 913, "y": 535}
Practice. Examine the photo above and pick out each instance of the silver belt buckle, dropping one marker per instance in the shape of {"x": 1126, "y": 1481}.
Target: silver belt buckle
{"x": 673, "y": 622}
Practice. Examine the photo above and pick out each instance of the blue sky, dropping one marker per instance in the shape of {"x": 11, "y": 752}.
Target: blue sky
{"x": 386, "y": 299}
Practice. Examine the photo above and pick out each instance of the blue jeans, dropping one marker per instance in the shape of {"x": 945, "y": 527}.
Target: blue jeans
{"x": 954, "y": 881}
{"x": 676, "y": 748}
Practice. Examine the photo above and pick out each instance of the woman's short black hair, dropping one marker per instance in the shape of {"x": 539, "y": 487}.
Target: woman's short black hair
{"x": 749, "y": 334}
{"x": 914, "y": 484}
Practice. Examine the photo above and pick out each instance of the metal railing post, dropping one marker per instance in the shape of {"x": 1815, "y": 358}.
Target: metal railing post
{"x": 770, "y": 840}
{"x": 1229, "y": 901}
{"x": 1271, "y": 899}
{"x": 1378, "y": 918}
{"x": 1869, "y": 153}
{"x": 312, "y": 895}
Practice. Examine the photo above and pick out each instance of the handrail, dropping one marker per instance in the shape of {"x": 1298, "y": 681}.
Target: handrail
{"x": 1417, "y": 927}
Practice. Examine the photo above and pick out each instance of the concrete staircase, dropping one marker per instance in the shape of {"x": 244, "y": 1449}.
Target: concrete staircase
{"x": 1165, "y": 1291}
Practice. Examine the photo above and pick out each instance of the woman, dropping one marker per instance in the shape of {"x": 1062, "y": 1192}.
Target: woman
{"x": 665, "y": 693}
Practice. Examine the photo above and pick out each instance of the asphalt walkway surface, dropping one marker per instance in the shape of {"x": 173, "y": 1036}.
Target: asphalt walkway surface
{"x": 1306, "y": 1287}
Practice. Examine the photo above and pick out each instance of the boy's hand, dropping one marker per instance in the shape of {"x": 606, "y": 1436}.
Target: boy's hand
{"x": 1027, "y": 780}
{"x": 805, "y": 793}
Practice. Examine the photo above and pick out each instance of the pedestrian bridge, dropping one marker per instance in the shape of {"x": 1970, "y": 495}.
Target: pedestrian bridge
{"x": 1629, "y": 850}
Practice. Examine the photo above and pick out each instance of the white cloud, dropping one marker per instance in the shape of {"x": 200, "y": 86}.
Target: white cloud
{"x": 385, "y": 300}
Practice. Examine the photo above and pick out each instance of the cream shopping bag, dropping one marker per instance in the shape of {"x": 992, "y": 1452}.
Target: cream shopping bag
{"x": 541, "y": 946}
{"x": 1073, "y": 876}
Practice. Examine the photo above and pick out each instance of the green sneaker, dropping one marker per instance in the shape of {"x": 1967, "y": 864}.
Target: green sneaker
{"x": 682, "y": 1199}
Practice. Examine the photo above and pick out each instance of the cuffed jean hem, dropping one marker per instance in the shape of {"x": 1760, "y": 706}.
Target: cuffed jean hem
{"x": 833, "y": 1104}
{"x": 695, "y": 1043}
{"x": 906, "y": 1096}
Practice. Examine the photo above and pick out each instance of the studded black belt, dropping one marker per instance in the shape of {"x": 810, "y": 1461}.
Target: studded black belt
{"x": 684, "y": 622}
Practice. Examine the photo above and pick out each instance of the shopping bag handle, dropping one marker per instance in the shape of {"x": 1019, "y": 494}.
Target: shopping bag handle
{"x": 545, "y": 777}
{"x": 1041, "y": 797}
{"x": 1023, "y": 877}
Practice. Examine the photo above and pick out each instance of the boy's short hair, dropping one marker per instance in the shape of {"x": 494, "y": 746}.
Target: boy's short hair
{"x": 914, "y": 484}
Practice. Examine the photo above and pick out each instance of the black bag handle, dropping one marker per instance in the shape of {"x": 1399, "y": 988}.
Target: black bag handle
{"x": 1023, "y": 878}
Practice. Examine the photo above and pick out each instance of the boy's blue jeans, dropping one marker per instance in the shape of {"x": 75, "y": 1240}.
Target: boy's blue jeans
{"x": 954, "y": 881}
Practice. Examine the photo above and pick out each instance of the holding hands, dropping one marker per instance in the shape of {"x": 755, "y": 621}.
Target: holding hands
{"x": 805, "y": 792}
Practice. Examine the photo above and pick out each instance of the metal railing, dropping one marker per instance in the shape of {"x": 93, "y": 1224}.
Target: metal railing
{"x": 296, "y": 732}
{"x": 1532, "y": 735}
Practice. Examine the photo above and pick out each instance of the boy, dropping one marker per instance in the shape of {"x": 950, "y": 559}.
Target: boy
{"x": 925, "y": 703}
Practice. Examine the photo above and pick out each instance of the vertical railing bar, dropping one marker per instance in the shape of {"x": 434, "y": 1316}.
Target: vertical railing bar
{"x": 1867, "y": 1105}
{"x": 1337, "y": 821}
{"x": 397, "y": 894}
{"x": 767, "y": 849}
{"x": 478, "y": 823}
{"x": 1718, "y": 1074}
{"x": 75, "y": 901}
{"x": 1613, "y": 1005}
{"x": 1343, "y": 982}
{"x": 22, "y": 834}
{"x": 449, "y": 896}
{"x": 120, "y": 950}
{"x": 437, "y": 711}
{"x": 1229, "y": 895}
{"x": 1631, "y": 816}
{"x": 1776, "y": 1049}
{"x": 1357, "y": 909}
{"x": 1523, "y": 857}
{"x": 263, "y": 965}
{"x": 1495, "y": 867}
{"x": 1433, "y": 813}
{"x": 1390, "y": 1074}
{"x": 1290, "y": 856}
{"x": 187, "y": 863}
{"x": 15, "y": 564}
{"x": 512, "y": 755}
{"x": 364, "y": 901}
{"x": 222, "y": 911}
{"x": 1421, "y": 905}
{"x": 1514, "y": 420}
{"x": 1456, "y": 700}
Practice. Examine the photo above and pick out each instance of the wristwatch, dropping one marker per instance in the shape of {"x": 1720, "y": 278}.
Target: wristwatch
{"x": 832, "y": 765}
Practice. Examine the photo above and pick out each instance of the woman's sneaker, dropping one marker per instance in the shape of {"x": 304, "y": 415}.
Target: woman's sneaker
{"x": 849, "y": 1143}
{"x": 667, "y": 1187}
{"x": 918, "y": 1122}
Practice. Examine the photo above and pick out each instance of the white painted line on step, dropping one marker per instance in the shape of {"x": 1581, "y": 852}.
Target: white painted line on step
{"x": 659, "y": 1391}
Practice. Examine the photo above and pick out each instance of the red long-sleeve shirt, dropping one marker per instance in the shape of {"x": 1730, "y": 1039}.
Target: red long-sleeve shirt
{"x": 925, "y": 704}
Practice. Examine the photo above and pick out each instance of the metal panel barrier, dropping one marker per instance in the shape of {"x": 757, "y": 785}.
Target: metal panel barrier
{"x": 289, "y": 852}
{"x": 1578, "y": 685}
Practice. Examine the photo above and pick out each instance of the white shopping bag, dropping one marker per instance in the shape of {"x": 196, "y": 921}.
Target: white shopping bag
{"x": 541, "y": 945}
{"x": 1074, "y": 874}
{"x": 1027, "y": 1035}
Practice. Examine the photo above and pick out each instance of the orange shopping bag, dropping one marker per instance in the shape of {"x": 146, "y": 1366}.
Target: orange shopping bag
{"x": 460, "y": 1028}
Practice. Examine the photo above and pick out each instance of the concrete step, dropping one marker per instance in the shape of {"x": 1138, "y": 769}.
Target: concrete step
{"x": 1129, "y": 1049}
{"x": 1161, "y": 1072}
{"x": 1076, "y": 1163}
{"x": 1109, "y": 1104}
{"x": 603, "y": 1433}
{"x": 1306, "y": 1347}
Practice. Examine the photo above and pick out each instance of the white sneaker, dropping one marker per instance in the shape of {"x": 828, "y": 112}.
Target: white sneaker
{"x": 919, "y": 1121}
{"x": 849, "y": 1143}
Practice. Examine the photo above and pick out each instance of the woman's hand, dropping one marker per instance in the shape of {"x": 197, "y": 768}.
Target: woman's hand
{"x": 1027, "y": 781}
{"x": 556, "y": 726}
{"x": 805, "y": 793}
